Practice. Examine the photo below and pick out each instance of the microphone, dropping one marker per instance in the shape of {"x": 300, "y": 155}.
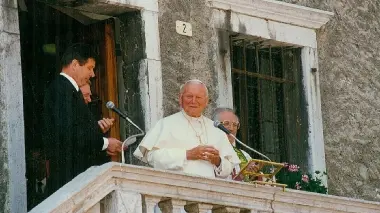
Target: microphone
{"x": 220, "y": 126}
{"x": 110, "y": 105}
{"x": 131, "y": 139}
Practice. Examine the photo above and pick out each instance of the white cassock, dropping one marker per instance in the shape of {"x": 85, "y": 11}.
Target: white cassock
{"x": 164, "y": 146}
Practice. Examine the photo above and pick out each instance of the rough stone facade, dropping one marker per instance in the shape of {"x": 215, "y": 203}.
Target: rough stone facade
{"x": 185, "y": 58}
{"x": 349, "y": 63}
{"x": 348, "y": 67}
{"x": 12, "y": 158}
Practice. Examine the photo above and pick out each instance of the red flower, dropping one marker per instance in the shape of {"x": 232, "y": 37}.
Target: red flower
{"x": 305, "y": 178}
{"x": 293, "y": 168}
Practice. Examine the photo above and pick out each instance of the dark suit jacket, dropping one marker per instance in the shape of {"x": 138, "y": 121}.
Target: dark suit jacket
{"x": 73, "y": 140}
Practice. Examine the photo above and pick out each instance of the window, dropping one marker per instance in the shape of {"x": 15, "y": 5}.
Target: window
{"x": 268, "y": 98}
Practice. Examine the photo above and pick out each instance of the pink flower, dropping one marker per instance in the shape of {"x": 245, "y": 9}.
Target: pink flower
{"x": 298, "y": 187}
{"x": 286, "y": 164}
{"x": 305, "y": 178}
{"x": 293, "y": 168}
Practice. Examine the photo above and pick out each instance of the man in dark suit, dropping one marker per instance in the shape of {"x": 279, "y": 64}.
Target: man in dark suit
{"x": 73, "y": 139}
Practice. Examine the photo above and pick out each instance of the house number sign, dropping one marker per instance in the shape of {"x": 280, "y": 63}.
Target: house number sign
{"x": 184, "y": 28}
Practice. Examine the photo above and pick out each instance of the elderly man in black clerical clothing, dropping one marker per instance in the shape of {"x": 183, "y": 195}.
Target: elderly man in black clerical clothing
{"x": 73, "y": 139}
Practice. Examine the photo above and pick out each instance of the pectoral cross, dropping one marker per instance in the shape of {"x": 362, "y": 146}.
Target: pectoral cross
{"x": 198, "y": 135}
{"x": 199, "y": 139}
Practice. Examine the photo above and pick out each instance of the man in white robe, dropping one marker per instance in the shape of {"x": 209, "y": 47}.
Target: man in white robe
{"x": 230, "y": 120}
{"x": 187, "y": 141}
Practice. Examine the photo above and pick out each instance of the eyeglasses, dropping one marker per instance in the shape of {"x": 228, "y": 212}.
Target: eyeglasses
{"x": 227, "y": 123}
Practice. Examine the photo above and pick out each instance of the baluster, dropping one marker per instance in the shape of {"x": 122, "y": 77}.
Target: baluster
{"x": 172, "y": 206}
{"x": 123, "y": 202}
{"x": 198, "y": 208}
{"x": 149, "y": 203}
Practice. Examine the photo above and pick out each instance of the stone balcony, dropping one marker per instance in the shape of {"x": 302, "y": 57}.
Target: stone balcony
{"x": 120, "y": 188}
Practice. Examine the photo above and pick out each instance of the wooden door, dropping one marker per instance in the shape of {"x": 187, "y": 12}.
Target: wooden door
{"x": 105, "y": 84}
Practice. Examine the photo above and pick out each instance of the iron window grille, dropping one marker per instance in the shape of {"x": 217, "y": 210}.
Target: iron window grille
{"x": 269, "y": 99}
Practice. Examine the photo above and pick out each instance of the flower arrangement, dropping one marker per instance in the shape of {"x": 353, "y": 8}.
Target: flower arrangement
{"x": 292, "y": 175}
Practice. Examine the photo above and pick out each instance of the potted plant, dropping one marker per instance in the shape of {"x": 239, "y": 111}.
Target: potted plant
{"x": 292, "y": 175}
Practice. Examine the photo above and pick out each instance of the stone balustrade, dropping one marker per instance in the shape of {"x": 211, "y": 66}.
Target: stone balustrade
{"x": 117, "y": 188}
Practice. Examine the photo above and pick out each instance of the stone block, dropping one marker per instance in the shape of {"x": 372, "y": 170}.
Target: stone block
{"x": 152, "y": 39}
{"x": 9, "y": 20}
{"x": 12, "y": 151}
{"x": 9, "y": 3}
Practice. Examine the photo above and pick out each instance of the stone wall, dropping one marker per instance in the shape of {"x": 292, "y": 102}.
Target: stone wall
{"x": 185, "y": 58}
{"x": 349, "y": 63}
{"x": 12, "y": 158}
{"x": 348, "y": 60}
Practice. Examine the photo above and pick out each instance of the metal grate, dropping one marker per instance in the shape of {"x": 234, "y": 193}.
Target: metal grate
{"x": 266, "y": 79}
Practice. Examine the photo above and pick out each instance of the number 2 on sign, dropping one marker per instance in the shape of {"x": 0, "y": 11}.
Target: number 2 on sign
{"x": 184, "y": 28}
